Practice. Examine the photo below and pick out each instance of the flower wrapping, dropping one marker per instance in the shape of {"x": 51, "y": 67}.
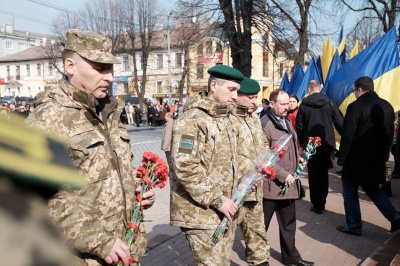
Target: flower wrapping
{"x": 154, "y": 173}
{"x": 262, "y": 169}
{"x": 311, "y": 149}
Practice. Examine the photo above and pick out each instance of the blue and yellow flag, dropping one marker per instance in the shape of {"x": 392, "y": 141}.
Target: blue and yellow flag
{"x": 380, "y": 61}
{"x": 310, "y": 74}
{"x": 335, "y": 65}
{"x": 296, "y": 79}
{"x": 284, "y": 82}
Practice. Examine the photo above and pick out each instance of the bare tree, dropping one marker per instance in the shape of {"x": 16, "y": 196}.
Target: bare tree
{"x": 384, "y": 11}
{"x": 147, "y": 18}
{"x": 190, "y": 27}
{"x": 366, "y": 31}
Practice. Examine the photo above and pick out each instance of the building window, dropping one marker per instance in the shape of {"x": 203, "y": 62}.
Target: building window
{"x": 209, "y": 47}
{"x": 39, "y": 89}
{"x": 39, "y": 70}
{"x": 50, "y": 69}
{"x": 265, "y": 64}
{"x": 8, "y": 45}
{"x": 8, "y": 72}
{"x": 17, "y": 73}
{"x": 28, "y": 70}
{"x": 140, "y": 62}
{"x": 218, "y": 49}
{"x": 159, "y": 87}
{"x": 29, "y": 91}
{"x": 200, "y": 71}
{"x": 178, "y": 60}
{"x": 160, "y": 64}
{"x": 20, "y": 46}
{"x": 125, "y": 63}
{"x": 200, "y": 49}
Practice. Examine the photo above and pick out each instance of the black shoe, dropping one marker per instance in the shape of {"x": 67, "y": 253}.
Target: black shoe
{"x": 346, "y": 230}
{"x": 317, "y": 211}
{"x": 395, "y": 225}
{"x": 263, "y": 264}
{"x": 304, "y": 263}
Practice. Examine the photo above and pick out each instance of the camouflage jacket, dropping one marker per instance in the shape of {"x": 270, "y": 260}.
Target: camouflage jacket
{"x": 204, "y": 158}
{"x": 251, "y": 143}
{"x": 91, "y": 218}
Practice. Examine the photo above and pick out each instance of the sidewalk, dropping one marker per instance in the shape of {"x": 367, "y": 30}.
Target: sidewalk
{"x": 317, "y": 239}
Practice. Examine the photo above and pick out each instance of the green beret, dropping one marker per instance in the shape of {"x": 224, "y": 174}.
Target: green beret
{"x": 249, "y": 86}
{"x": 226, "y": 72}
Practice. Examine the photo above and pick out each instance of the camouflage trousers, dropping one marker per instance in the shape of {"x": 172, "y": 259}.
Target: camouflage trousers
{"x": 251, "y": 222}
{"x": 206, "y": 253}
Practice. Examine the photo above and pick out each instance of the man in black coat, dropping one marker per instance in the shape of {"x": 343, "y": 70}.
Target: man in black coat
{"x": 316, "y": 117}
{"x": 364, "y": 148}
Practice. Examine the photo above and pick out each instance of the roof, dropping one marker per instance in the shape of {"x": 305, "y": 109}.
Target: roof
{"x": 31, "y": 54}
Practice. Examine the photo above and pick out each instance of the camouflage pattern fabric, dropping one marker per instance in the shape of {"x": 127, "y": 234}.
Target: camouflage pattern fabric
{"x": 91, "y": 45}
{"x": 91, "y": 218}
{"x": 27, "y": 234}
{"x": 34, "y": 166}
{"x": 204, "y": 159}
{"x": 206, "y": 254}
{"x": 251, "y": 144}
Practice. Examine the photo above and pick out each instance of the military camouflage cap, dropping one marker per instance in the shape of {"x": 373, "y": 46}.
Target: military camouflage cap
{"x": 249, "y": 86}
{"x": 90, "y": 45}
{"x": 226, "y": 72}
{"x": 34, "y": 157}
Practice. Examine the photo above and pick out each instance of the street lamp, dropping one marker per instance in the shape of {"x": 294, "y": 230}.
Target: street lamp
{"x": 169, "y": 62}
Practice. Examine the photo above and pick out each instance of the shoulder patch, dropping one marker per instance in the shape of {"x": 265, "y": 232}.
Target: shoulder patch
{"x": 186, "y": 144}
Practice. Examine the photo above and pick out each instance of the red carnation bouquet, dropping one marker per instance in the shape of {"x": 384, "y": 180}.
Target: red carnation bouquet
{"x": 154, "y": 174}
{"x": 311, "y": 149}
{"x": 263, "y": 169}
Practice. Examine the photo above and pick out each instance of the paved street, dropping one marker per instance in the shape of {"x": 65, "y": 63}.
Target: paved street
{"x": 317, "y": 239}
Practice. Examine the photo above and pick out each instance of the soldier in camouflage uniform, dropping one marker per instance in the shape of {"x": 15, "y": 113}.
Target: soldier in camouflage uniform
{"x": 80, "y": 108}
{"x": 252, "y": 143}
{"x": 33, "y": 167}
{"x": 205, "y": 167}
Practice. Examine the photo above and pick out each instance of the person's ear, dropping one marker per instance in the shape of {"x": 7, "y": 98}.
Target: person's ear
{"x": 70, "y": 66}
{"x": 213, "y": 85}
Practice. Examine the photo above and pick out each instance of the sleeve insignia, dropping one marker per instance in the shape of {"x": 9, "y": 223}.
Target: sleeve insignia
{"x": 186, "y": 144}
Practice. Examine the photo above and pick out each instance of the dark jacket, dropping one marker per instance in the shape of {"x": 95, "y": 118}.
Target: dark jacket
{"x": 287, "y": 165}
{"x": 366, "y": 139}
{"x": 316, "y": 117}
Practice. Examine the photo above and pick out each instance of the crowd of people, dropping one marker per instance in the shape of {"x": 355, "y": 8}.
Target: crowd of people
{"x": 210, "y": 144}
{"x": 20, "y": 108}
{"x": 150, "y": 114}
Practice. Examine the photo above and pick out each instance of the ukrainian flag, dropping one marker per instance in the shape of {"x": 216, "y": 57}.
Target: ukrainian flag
{"x": 284, "y": 82}
{"x": 296, "y": 79}
{"x": 380, "y": 61}
{"x": 311, "y": 73}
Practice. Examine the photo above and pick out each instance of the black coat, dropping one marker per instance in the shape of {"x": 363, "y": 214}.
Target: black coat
{"x": 367, "y": 136}
{"x": 316, "y": 117}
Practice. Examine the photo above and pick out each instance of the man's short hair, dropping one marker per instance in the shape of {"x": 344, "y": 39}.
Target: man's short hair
{"x": 219, "y": 81}
{"x": 365, "y": 83}
{"x": 314, "y": 85}
{"x": 274, "y": 94}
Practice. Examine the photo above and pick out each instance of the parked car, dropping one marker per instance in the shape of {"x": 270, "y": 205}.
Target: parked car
{"x": 7, "y": 99}
{"x": 28, "y": 100}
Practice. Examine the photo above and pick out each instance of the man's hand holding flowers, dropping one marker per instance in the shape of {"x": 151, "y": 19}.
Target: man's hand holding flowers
{"x": 228, "y": 208}
{"x": 148, "y": 198}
